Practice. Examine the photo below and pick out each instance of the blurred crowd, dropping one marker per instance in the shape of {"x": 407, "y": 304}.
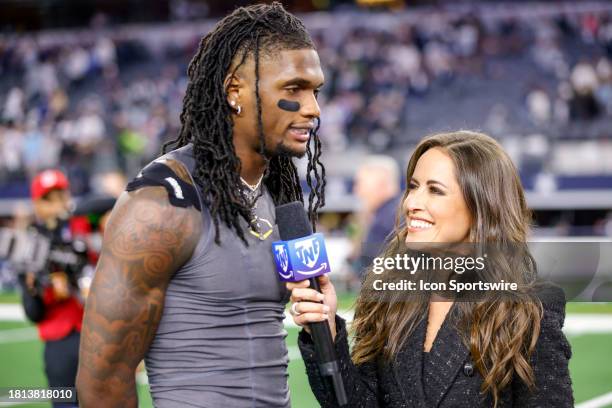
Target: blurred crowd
{"x": 74, "y": 107}
{"x": 102, "y": 104}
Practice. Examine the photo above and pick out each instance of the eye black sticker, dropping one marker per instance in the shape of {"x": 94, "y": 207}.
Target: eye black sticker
{"x": 290, "y": 106}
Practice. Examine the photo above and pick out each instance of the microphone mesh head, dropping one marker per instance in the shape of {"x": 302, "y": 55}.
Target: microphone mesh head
{"x": 292, "y": 221}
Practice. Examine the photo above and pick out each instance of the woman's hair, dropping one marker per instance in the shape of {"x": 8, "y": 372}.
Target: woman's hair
{"x": 500, "y": 331}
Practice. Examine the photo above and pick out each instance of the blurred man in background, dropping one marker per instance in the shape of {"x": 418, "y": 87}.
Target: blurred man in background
{"x": 50, "y": 297}
{"x": 377, "y": 185}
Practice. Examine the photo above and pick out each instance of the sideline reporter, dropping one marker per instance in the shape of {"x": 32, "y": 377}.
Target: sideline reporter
{"x": 428, "y": 351}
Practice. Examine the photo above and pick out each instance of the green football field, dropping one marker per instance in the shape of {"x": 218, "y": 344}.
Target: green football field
{"x": 591, "y": 364}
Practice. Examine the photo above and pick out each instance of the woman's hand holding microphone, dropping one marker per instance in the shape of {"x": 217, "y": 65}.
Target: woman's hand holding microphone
{"x": 305, "y": 307}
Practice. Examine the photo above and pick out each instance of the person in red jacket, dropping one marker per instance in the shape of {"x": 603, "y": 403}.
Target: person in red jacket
{"x": 50, "y": 298}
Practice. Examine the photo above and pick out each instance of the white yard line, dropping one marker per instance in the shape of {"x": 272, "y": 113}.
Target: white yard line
{"x": 12, "y": 312}
{"x": 142, "y": 378}
{"x": 18, "y": 335}
{"x": 575, "y": 324}
{"x": 602, "y": 401}
{"x": 12, "y": 404}
{"x": 294, "y": 353}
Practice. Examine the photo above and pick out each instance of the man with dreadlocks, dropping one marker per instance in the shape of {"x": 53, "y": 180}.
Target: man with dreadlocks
{"x": 186, "y": 277}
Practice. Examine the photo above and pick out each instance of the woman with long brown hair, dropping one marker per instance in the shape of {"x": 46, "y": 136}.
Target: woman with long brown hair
{"x": 429, "y": 350}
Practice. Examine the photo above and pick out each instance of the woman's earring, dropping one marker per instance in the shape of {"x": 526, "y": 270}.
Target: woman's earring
{"x": 239, "y": 109}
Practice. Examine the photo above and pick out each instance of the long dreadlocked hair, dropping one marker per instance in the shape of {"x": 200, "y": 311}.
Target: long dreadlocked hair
{"x": 206, "y": 119}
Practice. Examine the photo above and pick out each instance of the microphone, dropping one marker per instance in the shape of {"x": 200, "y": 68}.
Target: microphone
{"x": 302, "y": 255}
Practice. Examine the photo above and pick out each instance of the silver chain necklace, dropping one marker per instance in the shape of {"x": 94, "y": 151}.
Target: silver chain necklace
{"x": 251, "y": 187}
{"x": 251, "y": 191}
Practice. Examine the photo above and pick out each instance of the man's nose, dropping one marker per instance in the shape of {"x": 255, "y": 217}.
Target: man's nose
{"x": 310, "y": 107}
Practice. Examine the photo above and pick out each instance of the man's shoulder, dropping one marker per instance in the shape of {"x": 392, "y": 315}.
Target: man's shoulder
{"x": 143, "y": 198}
{"x": 177, "y": 167}
{"x": 173, "y": 171}
{"x": 145, "y": 220}
{"x": 180, "y": 160}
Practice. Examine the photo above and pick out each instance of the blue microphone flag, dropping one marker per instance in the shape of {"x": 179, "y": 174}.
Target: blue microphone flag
{"x": 301, "y": 258}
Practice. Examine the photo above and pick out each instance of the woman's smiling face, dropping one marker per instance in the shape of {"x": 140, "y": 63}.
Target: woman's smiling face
{"x": 434, "y": 206}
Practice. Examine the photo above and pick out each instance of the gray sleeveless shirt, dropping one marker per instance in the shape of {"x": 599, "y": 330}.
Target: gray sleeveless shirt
{"x": 221, "y": 340}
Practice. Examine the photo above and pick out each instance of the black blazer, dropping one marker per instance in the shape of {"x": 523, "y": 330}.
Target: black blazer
{"x": 448, "y": 378}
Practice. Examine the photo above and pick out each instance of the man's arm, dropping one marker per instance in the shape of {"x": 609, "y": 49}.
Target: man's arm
{"x": 146, "y": 241}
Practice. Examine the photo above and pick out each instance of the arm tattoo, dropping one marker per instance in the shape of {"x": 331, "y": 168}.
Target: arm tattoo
{"x": 146, "y": 241}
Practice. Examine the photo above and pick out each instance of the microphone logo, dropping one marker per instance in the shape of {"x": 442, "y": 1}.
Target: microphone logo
{"x": 282, "y": 259}
{"x": 308, "y": 251}
{"x": 301, "y": 258}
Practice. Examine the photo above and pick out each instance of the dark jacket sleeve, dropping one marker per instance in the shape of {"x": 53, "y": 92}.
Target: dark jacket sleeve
{"x": 553, "y": 385}
{"x": 33, "y": 305}
{"x": 360, "y": 382}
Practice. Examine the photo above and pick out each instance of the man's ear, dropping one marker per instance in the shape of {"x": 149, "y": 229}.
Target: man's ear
{"x": 233, "y": 86}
